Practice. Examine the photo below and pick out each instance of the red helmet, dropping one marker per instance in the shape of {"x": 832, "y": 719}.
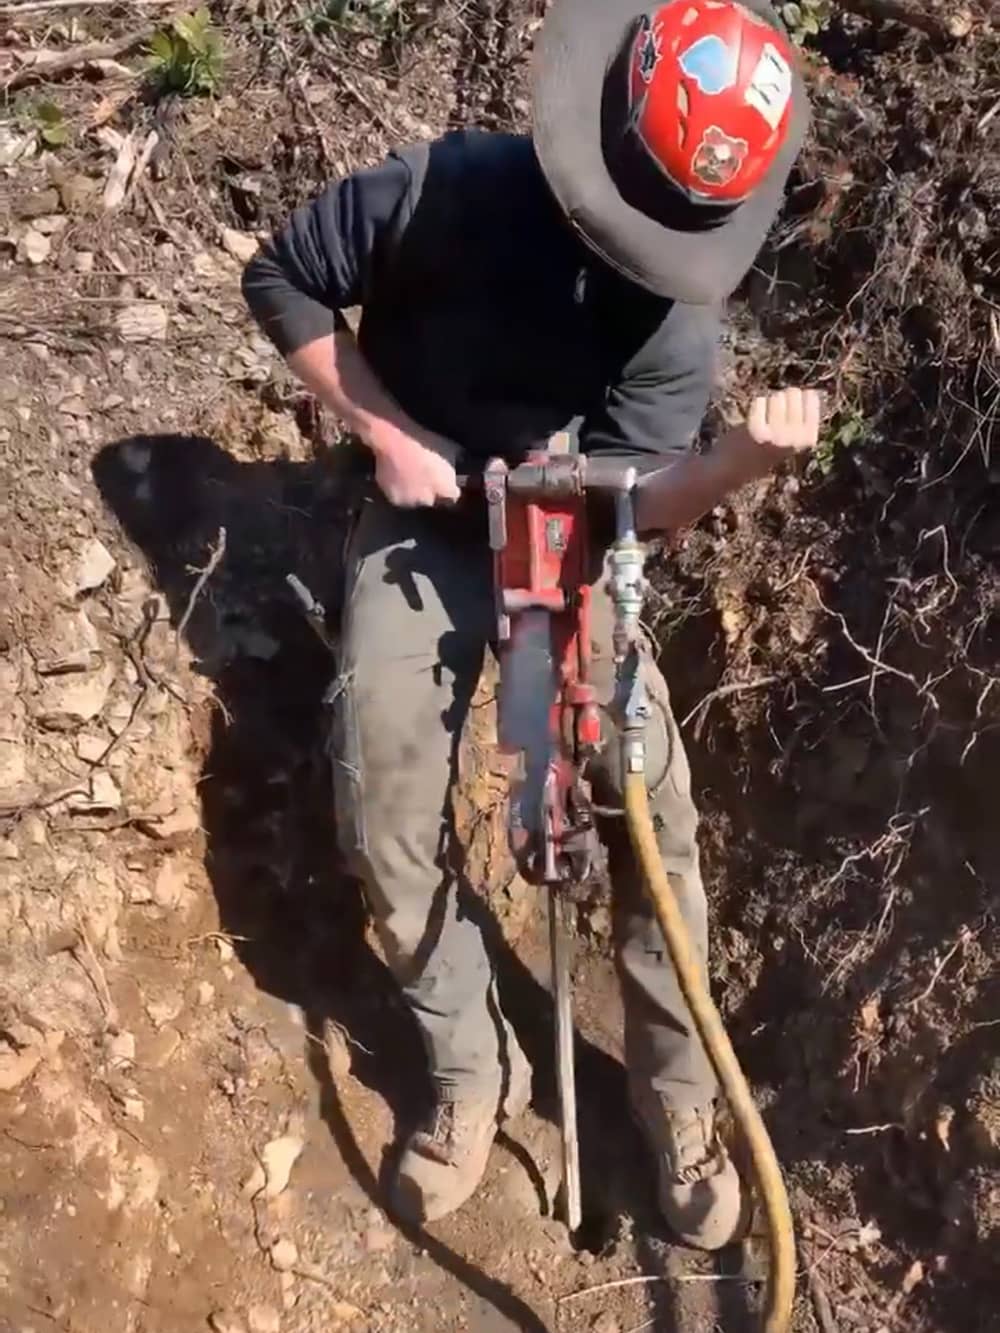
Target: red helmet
{"x": 711, "y": 93}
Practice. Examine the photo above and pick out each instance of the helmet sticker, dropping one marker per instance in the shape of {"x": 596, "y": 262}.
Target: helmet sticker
{"x": 647, "y": 50}
{"x": 770, "y": 87}
{"x": 712, "y": 63}
{"x": 718, "y": 158}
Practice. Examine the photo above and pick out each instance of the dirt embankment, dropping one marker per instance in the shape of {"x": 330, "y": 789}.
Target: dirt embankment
{"x": 189, "y": 1009}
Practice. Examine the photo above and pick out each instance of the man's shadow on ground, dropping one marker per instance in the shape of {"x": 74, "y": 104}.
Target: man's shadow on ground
{"x": 298, "y": 921}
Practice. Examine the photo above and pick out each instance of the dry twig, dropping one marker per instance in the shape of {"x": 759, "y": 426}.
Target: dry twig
{"x": 204, "y": 574}
{"x": 611, "y": 1286}
{"x": 47, "y": 65}
{"x": 43, "y": 6}
{"x": 735, "y": 687}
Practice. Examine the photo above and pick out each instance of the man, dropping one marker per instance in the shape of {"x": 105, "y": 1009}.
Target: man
{"x": 510, "y": 286}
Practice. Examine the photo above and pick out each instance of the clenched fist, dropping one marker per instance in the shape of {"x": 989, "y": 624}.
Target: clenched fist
{"x": 416, "y": 471}
{"x": 787, "y": 421}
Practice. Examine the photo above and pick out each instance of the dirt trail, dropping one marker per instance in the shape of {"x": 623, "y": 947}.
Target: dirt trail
{"x": 203, "y": 1064}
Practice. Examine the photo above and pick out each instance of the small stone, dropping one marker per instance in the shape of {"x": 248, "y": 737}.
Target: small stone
{"x": 960, "y": 23}
{"x": 33, "y": 247}
{"x": 164, "y": 1010}
{"x": 94, "y": 566}
{"x": 83, "y": 261}
{"x": 205, "y": 993}
{"x": 278, "y": 1157}
{"x": 9, "y": 850}
{"x": 169, "y": 885}
{"x": 284, "y": 1255}
{"x": 103, "y": 796}
{"x": 91, "y": 748}
{"x": 134, "y": 1107}
{"x": 112, "y": 401}
{"x": 37, "y": 205}
{"x": 913, "y": 1277}
{"x": 121, "y": 1048}
{"x": 65, "y": 701}
{"x": 144, "y": 321}
{"x": 73, "y": 407}
{"x": 264, "y": 1319}
{"x": 183, "y": 820}
{"x": 224, "y": 949}
{"x": 239, "y": 244}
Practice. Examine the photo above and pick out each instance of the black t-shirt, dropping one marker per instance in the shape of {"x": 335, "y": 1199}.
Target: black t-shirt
{"x": 482, "y": 313}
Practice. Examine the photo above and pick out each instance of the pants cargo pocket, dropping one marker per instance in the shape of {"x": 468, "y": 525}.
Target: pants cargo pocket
{"x": 344, "y": 748}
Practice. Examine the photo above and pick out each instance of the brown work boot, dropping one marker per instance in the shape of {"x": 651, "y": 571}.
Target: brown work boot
{"x": 445, "y": 1159}
{"x": 700, "y": 1192}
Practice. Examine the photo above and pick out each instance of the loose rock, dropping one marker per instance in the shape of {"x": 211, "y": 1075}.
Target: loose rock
{"x": 165, "y": 1010}
{"x": 65, "y": 701}
{"x": 284, "y": 1255}
{"x": 279, "y": 1156}
{"x": 38, "y": 204}
{"x": 103, "y": 796}
{"x": 94, "y": 566}
{"x": 142, "y": 322}
{"x": 33, "y": 247}
{"x": 169, "y": 885}
{"x": 239, "y": 244}
{"x": 121, "y": 1048}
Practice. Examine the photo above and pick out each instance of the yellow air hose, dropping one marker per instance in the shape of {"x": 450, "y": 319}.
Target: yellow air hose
{"x": 687, "y": 965}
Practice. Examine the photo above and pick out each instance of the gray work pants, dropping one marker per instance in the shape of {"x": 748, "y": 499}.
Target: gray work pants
{"x": 418, "y": 614}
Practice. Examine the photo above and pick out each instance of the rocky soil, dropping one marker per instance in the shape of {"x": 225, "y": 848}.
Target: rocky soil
{"x": 202, "y": 1062}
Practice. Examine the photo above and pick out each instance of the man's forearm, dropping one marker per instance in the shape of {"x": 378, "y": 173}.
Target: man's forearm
{"x": 678, "y": 495}
{"x": 336, "y": 371}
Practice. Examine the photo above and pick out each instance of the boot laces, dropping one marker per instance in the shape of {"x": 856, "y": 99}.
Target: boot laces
{"x": 450, "y": 1122}
{"x": 693, "y": 1146}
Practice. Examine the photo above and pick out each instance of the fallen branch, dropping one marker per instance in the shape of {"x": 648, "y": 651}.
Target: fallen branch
{"x": 906, "y": 12}
{"x": 45, "y": 65}
{"x": 41, "y": 6}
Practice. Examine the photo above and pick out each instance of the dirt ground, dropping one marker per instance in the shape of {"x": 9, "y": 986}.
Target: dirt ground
{"x": 203, "y": 1064}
